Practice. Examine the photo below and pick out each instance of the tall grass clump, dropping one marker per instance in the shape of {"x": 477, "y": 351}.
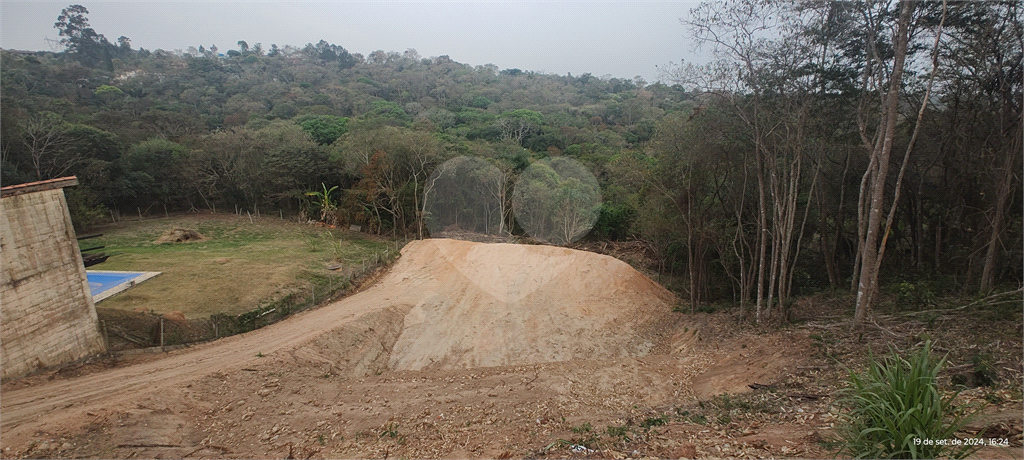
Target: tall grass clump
{"x": 895, "y": 410}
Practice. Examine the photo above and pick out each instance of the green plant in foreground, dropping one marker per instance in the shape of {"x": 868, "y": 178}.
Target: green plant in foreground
{"x": 390, "y": 430}
{"x": 621, "y": 432}
{"x": 895, "y": 411}
{"x": 584, "y": 428}
{"x": 653, "y": 421}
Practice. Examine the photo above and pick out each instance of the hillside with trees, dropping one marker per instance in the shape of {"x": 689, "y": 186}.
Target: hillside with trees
{"x": 830, "y": 145}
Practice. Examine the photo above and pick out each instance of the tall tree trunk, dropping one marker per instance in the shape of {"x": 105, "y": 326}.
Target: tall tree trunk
{"x": 918, "y": 231}
{"x": 776, "y": 233}
{"x": 1006, "y": 186}
{"x": 826, "y": 246}
{"x": 762, "y": 226}
{"x": 803, "y": 225}
{"x": 870, "y": 250}
{"x": 416, "y": 205}
{"x": 906, "y": 157}
{"x": 740, "y": 238}
{"x": 691, "y": 264}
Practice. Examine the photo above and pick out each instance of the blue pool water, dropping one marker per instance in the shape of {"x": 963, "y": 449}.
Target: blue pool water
{"x": 102, "y": 282}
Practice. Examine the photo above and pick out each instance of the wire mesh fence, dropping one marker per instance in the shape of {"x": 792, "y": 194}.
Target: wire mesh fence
{"x": 126, "y": 331}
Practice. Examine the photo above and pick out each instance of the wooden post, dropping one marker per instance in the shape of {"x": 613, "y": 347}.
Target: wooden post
{"x": 161, "y": 333}
{"x": 106, "y": 337}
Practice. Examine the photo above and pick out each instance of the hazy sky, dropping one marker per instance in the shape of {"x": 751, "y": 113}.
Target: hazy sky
{"x": 621, "y": 39}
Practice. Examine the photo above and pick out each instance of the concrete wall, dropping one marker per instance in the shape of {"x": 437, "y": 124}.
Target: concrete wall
{"x": 47, "y": 316}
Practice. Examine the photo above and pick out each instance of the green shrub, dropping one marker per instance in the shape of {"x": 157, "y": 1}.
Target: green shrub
{"x": 584, "y": 428}
{"x": 895, "y": 411}
{"x": 621, "y": 432}
{"x": 707, "y": 308}
{"x": 985, "y": 373}
{"x": 480, "y": 102}
{"x": 913, "y": 296}
{"x": 654, "y": 421}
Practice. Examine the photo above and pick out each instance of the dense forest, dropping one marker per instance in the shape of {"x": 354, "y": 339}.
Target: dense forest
{"x": 861, "y": 146}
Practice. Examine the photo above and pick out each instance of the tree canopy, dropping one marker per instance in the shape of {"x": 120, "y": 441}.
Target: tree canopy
{"x": 827, "y": 145}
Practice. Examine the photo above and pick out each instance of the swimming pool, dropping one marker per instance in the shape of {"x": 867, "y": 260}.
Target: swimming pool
{"x": 103, "y": 283}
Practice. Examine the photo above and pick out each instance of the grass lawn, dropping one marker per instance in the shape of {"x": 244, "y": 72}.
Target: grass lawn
{"x": 235, "y": 268}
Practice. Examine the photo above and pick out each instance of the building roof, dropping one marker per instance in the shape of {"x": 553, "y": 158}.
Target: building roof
{"x": 29, "y": 187}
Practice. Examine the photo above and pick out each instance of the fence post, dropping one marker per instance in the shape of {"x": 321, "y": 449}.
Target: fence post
{"x": 161, "y": 333}
{"x": 106, "y": 337}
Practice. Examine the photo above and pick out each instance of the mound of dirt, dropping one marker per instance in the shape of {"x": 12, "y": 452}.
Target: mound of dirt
{"x": 450, "y": 304}
{"x": 180, "y": 235}
{"x": 175, "y": 316}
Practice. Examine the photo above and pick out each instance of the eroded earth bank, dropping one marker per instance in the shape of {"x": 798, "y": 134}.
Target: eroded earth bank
{"x": 461, "y": 350}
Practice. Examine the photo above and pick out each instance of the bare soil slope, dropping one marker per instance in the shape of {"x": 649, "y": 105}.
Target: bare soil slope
{"x": 446, "y": 304}
{"x": 455, "y": 304}
{"x": 462, "y": 350}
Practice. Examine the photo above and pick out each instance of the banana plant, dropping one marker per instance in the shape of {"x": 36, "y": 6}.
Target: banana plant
{"x": 323, "y": 199}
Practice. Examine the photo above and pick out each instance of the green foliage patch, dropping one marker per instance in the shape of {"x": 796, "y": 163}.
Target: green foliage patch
{"x": 896, "y": 410}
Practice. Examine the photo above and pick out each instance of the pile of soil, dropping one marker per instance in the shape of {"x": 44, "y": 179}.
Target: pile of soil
{"x": 450, "y": 304}
{"x": 180, "y": 235}
{"x": 398, "y": 370}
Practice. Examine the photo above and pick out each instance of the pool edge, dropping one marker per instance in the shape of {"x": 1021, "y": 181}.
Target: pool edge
{"x": 143, "y": 276}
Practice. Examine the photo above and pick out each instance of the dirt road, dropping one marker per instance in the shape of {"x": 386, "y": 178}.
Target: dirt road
{"x": 61, "y": 399}
{"x": 462, "y": 349}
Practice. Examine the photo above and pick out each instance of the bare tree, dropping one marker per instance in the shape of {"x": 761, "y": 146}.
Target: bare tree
{"x": 48, "y": 140}
{"x": 760, "y": 77}
{"x": 872, "y": 236}
{"x": 392, "y": 162}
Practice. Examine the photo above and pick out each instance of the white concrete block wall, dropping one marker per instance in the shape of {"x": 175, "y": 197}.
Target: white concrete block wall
{"x": 47, "y": 316}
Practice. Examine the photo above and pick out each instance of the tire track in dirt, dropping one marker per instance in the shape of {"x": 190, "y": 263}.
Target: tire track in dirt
{"x": 65, "y": 398}
{"x": 473, "y": 304}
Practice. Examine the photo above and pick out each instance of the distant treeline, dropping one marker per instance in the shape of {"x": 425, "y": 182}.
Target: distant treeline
{"x": 768, "y": 173}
